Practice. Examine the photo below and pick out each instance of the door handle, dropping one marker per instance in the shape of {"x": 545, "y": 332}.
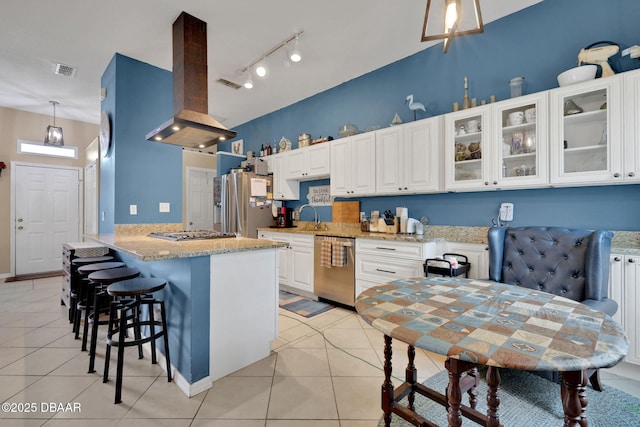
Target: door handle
{"x": 20, "y": 220}
{"x": 20, "y": 228}
{"x": 385, "y": 271}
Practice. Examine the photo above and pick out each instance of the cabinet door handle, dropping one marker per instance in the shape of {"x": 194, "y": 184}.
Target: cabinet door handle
{"x": 486, "y": 183}
{"x": 386, "y": 249}
{"x": 616, "y": 175}
{"x": 631, "y": 174}
{"x": 495, "y": 182}
{"x": 385, "y": 271}
{"x": 617, "y": 259}
{"x": 631, "y": 260}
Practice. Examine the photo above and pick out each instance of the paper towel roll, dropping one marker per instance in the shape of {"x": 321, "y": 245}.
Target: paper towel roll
{"x": 402, "y": 212}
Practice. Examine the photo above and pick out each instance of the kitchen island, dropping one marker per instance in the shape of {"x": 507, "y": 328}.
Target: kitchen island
{"x": 221, "y": 299}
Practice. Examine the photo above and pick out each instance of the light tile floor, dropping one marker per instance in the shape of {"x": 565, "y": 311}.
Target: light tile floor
{"x": 307, "y": 381}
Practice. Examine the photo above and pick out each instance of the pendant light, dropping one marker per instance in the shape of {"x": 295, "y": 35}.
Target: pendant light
{"x": 54, "y": 133}
{"x": 450, "y": 25}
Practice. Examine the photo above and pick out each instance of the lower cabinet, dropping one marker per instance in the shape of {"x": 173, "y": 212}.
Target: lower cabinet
{"x": 295, "y": 266}
{"x": 624, "y": 275}
{"x": 478, "y": 255}
{"x": 381, "y": 261}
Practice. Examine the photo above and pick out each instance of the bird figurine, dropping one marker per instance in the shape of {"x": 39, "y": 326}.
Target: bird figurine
{"x": 414, "y": 106}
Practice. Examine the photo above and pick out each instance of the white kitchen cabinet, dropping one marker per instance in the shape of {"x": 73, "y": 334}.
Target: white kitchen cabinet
{"x": 624, "y": 275}
{"x": 467, "y": 151}
{"x": 518, "y": 151}
{"x": 283, "y": 189}
{"x": 631, "y": 90}
{"x": 353, "y": 161}
{"x": 586, "y": 132}
{"x": 408, "y": 158}
{"x": 308, "y": 163}
{"x": 477, "y": 254}
{"x": 295, "y": 261}
{"x": 381, "y": 261}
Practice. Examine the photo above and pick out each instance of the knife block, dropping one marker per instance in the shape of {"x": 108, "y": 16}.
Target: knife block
{"x": 389, "y": 229}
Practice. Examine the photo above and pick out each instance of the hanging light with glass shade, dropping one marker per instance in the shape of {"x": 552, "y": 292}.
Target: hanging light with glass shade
{"x": 445, "y": 19}
{"x": 54, "y": 133}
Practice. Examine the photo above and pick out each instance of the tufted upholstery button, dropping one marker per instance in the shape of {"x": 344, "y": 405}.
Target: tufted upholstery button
{"x": 520, "y": 252}
{"x": 566, "y": 257}
{"x": 531, "y": 239}
{"x": 563, "y": 291}
{"x": 541, "y": 255}
{"x": 531, "y": 269}
{"x": 540, "y": 287}
{"x": 554, "y": 242}
{"x": 551, "y": 272}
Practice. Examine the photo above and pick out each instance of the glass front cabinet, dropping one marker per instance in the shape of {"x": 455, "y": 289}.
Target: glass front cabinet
{"x": 500, "y": 145}
{"x": 586, "y": 132}
{"x": 467, "y": 151}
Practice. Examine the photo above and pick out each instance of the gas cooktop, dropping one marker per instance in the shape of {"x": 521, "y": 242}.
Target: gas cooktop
{"x": 190, "y": 235}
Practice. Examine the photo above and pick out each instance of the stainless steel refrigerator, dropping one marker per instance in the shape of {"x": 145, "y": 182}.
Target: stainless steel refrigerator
{"x": 242, "y": 203}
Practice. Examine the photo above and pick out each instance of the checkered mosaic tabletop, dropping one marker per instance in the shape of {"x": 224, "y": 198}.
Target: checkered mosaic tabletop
{"x": 494, "y": 324}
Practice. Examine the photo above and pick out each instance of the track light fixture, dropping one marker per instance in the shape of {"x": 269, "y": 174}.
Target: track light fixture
{"x": 295, "y": 54}
{"x": 259, "y": 65}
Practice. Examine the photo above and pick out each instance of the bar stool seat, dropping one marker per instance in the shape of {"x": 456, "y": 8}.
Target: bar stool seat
{"x": 133, "y": 294}
{"x": 85, "y": 295}
{"x": 102, "y": 279}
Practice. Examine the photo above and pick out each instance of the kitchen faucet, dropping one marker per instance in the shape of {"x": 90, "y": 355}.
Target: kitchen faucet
{"x": 316, "y": 221}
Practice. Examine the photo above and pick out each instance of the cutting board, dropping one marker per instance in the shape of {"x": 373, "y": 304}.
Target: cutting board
{"x": 346, "y": 212}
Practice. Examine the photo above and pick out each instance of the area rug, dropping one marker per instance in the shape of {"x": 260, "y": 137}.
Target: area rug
{"x": 302, "y": 306}
{"x": 527, "y": 400}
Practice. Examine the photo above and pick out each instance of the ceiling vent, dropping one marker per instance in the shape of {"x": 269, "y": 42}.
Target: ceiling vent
{"x": 228, "y": 83}
{"x": 65, "y": 70}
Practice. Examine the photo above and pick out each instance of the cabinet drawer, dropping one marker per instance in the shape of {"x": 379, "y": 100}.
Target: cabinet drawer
{"x": 387, "y": 248}
{"x": 301, "y": 239}
{"x": 382, "y": 269}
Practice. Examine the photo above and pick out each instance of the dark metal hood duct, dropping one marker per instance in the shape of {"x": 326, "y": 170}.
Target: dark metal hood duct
{"x": 191, "y": 125}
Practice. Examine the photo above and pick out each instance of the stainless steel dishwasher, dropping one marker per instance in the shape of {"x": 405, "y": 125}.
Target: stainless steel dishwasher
{"x": 336, "y": 283}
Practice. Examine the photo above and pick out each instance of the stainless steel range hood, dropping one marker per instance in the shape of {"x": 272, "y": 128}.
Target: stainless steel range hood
{"x": 191, "y": 125}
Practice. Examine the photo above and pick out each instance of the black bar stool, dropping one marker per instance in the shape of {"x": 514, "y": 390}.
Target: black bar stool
{"x": 76, "y": 279}
{"x": 85, "y": 296}
{"x": 101, "y": 280}
{"x": 132, "y": 295}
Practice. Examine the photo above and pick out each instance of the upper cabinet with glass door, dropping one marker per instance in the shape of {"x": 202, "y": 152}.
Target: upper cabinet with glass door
{"x": 520, "y": 155}
{"x": 586, "y": 137}
{"x": 467, "y": 151}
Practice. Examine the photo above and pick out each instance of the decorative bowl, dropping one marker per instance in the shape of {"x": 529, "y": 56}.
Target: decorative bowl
{"x": 577, "y": 75}
{"x": 348, "y": 129}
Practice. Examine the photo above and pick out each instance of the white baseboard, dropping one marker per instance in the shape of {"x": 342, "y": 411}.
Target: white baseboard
{"x": 190, "y": 389}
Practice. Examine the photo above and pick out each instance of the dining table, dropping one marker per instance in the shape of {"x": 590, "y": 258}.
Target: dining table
{"x": 480, "y": 323}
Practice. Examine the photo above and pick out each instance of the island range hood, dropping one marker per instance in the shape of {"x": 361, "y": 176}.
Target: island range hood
{"x": 191, "y": 125}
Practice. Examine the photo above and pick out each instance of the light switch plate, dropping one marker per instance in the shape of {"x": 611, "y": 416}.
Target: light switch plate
{"x": 165, "y": 207}
{"x": 133, "y": 209}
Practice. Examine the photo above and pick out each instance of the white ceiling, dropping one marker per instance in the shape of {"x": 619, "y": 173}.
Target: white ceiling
{"x": 342, "y": 39}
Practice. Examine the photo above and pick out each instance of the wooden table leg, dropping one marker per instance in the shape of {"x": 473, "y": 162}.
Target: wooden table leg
{"x": 493, "y": 399}
{"x": 454, "y": 393}
{"x": 411, "y": 375}
{"x": 473, "y": 391}
{"x": 574, "y": 398}
{"x": 387, "y": 386}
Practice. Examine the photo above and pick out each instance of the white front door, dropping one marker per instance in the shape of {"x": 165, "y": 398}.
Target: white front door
{"x": 200, "y": 198}
{"x": 47, "y": 201}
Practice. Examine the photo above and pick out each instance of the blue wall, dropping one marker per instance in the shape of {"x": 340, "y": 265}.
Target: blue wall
{"x": 137, "y": 171}
{"x": 537, "y": 43}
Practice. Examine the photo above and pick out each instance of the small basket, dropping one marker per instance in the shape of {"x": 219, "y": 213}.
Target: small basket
{"x": 463, "y": 266}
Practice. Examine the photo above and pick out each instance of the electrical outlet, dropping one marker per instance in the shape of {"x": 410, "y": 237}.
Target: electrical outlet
{"x": 133, "y": 209}
{"x": 506, "y": 212}
{"x": 165, "y": 207}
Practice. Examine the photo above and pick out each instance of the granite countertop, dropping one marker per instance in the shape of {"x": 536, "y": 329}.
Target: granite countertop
{"x": 134, "y": 241}
{"x": 624, "y": 242}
